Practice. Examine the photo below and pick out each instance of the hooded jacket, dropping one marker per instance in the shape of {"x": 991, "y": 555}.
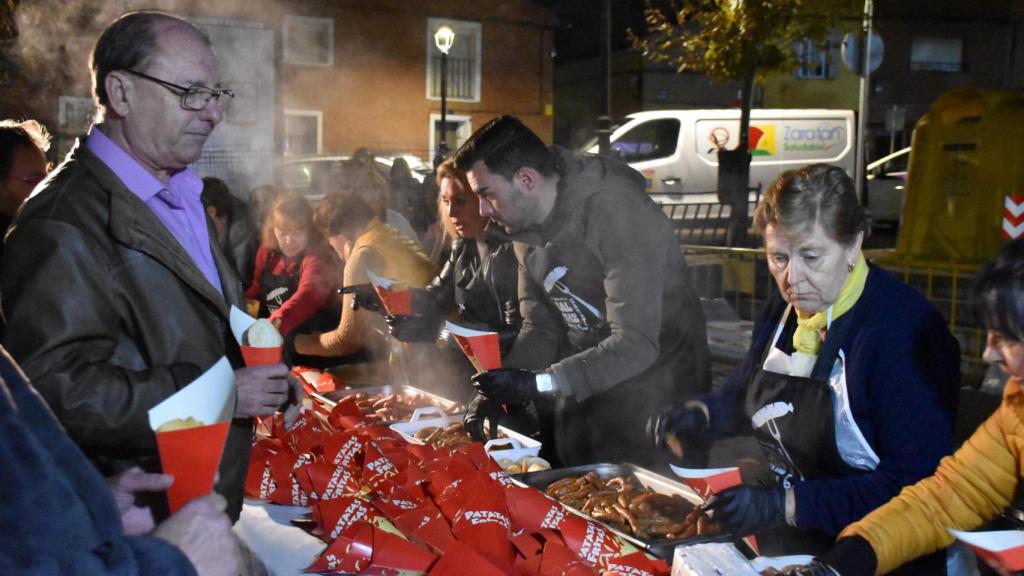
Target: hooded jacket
{"x": 607, "y": 302}
{"x": 969, "y": 488}
{"x": 108, "y": 315}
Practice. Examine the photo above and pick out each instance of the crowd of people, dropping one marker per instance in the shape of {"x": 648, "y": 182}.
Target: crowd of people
{"x": 120, "y": 269}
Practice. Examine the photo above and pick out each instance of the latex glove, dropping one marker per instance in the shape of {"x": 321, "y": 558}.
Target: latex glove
{"x": 137, "y": 520}
{"x": 744, "y": 510}
{"x": 482, "y": 410}
{"x": 815, "y": 568}
{"x": 507, "y": 385}
{"x": 363, "y": 296}
{"x": 678, "y": 426}
{"x": 412, "y": 328}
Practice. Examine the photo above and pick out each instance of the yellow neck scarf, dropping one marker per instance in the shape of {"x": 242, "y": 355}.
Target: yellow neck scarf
{"x": 808, "y": 335}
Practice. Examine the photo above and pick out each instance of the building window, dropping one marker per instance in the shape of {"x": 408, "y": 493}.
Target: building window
{"x": 814, "y": 59}
{"x": 463, "y": 61}
{"x": 303, "y": 132}
{"x": 308, "y": 41}
{"x": 936, "y": 54}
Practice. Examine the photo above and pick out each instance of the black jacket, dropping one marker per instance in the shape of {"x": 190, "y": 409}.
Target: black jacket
{"x": 108, "y": 315}
{"x": 482, "y": 287}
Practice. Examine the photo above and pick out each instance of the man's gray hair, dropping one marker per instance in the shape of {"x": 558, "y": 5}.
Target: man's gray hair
{"x": 129, "y": 43}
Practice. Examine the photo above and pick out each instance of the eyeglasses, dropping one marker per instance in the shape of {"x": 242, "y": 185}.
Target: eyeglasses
{"x": 193, "y": 98}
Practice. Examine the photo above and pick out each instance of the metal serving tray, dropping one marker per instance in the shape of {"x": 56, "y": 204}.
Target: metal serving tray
{"x": 332, "y": 398}
{"x": 661, "y": 547}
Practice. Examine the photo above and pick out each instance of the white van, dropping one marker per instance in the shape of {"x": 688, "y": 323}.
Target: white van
{"x": 677, "y": 150}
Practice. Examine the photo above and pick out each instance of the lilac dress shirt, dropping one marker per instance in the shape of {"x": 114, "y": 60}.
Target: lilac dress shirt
{"x": 177, "y": 205}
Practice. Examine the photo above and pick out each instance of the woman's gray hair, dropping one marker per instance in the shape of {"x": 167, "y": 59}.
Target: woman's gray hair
{"x": 817, "y": 193}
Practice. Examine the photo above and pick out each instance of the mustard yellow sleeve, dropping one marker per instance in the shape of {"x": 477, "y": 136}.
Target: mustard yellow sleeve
{"x": 350, "y": 335}
{"x": 967, "y": 489}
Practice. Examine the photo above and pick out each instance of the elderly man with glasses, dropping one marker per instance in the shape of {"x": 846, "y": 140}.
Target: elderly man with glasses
{"x": 114, "y": 295}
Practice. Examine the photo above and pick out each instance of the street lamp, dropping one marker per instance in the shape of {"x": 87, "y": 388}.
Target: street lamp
{"x": 444, "y": 37}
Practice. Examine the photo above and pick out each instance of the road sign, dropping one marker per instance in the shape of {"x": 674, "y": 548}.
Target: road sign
{"x": 853, "y": 52}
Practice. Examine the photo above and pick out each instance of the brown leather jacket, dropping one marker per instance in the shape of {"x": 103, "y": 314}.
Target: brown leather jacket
{"x": 108, "y": 316}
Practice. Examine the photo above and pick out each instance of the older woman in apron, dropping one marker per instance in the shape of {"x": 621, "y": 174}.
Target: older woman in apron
{"x": 980, "y": 479}
{"x": 850, "y": 384}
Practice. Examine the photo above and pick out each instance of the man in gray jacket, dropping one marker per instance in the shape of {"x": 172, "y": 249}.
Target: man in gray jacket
{"x": 611, "y": 327}
{"x": 114, "y": 296}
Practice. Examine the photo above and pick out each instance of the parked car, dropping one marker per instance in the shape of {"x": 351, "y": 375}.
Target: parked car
{"x": 887, "y": 178}
{"x": 300, "y": 173}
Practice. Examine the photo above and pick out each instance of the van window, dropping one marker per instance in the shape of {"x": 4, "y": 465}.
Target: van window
{"x": 648, "y": 141}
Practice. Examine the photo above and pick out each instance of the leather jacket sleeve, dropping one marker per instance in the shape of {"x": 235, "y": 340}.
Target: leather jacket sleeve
{"x": 64, "y": 316}
{"x": 438, "y": 298}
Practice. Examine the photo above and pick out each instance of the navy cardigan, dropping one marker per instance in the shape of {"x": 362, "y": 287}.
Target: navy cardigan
{"x": 902, "y": 378}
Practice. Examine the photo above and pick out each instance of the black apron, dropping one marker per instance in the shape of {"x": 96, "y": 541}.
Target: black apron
{"x": 794, "y": 423}
{"x": 277, "y": 289}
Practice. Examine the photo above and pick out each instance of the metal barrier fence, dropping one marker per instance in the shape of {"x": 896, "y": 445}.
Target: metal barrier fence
{"x": 740, "y": 276}
{"x": 701, "y": 223}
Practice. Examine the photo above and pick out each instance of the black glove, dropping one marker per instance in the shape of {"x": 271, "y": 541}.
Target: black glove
{"x": 815, "y": 568}
{"x": 482, "y": 410}
{"x": 363, "y": 296}
{"x": 744, "y": 510}
{"x": 507, "y": 385}
{"x": 851, "y": 556}
{"x": 685, "y": 424}
{"x": 412, "y": 328}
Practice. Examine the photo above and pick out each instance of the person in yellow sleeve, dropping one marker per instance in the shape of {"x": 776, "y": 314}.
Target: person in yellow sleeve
{"x": 974, "y": 484}
{"x": 365, "y": 244}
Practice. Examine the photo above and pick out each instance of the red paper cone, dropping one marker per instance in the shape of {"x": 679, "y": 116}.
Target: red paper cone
{"x": 192, "y": 456}
{"x": 484, "y": 524}
{"x": 483, "y": 351}
{"x": 329, "y": 482}
{"x": 393, "y": 553}
{"x": 338, "y": 515}
{"x": 376, "y": 467}
{"x": 558, "y": 560}
{"x": 254, "y": 356}
{"x": 259, "y": 481}
{"x": 591, "y": 542}
{"x": 460, "y": 560}
{"x": 532, "y": 511}
{"x": 426, "y": 524}
{"x": 396, "y": 302}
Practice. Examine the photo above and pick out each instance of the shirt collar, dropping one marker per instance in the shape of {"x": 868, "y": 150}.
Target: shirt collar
{"x": 131, "y": 172}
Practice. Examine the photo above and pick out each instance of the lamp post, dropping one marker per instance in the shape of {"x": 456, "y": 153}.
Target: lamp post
{"x": 444, "y": 37}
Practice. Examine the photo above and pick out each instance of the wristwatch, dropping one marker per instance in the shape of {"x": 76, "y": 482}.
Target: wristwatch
{"x": 545, "y": 384}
